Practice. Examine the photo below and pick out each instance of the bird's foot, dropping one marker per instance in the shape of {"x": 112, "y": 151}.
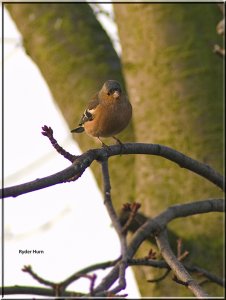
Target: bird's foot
{"x": 103, "y": 145}
{"x": 122, "y": 147}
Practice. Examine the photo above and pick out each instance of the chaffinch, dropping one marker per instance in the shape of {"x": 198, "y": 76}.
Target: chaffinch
{"x": 107, "y": 114}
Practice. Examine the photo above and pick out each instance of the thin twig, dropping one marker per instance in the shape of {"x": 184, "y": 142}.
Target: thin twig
{"x": 211, "y": 277}
{"x": 92, "y": 279}
{"x": 161, "y": 264}
{"x": 54, "y": 286}
{"x": 48, "y": 132}
{"x": 181, "y": 256}
{"x": 116, "y": 224}
{"x": 133, "y": 208}
{"x": 160, "y": 278}
{"x": 86, "y": 270}
{"x": 41, "y": 280}
{"x": 179, "y": 247}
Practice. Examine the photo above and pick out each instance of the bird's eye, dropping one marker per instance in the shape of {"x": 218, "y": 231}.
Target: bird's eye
{"x": 109, "y": 94}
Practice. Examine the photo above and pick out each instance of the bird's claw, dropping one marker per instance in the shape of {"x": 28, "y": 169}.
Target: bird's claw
{"x": 103, "y": 145}
{"x": 122, "y": 147}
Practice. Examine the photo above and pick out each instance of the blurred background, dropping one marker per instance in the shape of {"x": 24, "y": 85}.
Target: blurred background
{"x": 74, "y": 231}
{"x": 56, "y": 56}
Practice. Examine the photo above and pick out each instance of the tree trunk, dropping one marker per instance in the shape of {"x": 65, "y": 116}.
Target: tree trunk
{"x": 75, "y": 56}
{"x": 175, "y": 84}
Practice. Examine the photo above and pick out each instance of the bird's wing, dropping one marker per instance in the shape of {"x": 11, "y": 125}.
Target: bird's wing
{"x": 88, "y": 113}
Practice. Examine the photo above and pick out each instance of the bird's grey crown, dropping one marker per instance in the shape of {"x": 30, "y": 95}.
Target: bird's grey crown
{"x": 112, "y": 85}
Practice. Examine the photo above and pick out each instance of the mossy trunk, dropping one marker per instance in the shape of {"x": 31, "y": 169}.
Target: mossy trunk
{"x": 175, "y": 84}
{"x": 75, "y": 56}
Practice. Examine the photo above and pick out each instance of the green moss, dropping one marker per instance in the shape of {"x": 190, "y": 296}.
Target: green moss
{"x": 175, "y": 83}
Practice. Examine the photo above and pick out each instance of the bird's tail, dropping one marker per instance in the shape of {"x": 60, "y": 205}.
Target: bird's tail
{"x": 78, "y": 129}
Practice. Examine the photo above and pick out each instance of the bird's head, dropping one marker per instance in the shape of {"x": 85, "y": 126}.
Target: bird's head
{"x": 111, "y": 88}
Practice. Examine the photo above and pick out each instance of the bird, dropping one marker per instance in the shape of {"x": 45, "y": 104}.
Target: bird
{"x": 107, "y": 114}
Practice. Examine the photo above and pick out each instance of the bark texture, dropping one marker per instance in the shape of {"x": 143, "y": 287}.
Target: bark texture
{"x": 175, "y": 84}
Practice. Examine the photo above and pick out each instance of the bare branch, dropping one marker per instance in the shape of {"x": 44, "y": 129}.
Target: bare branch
{"x": 155, "y": 225}
{"x": 132, "y": 208}
{"x": 151, "y": 227}
{"x": 161, "y": 277}
{"x": 181, "y": 256}
{"x": 177, "y": 267}
{"x": 158, "y": 223}
{"x": 161, "y": 264}
{"x": 84, "y": 161}
{"x": 77, "y": 168}
{"x": 86, "y": 270}
{"x": 30, "y": 290}
{"x": 41, "y": 280}
{"x": 116, "y": 224}
{"x": 207, "y": 274}
{"x": 48, "y": 132}
{"x": 92, "y": 279}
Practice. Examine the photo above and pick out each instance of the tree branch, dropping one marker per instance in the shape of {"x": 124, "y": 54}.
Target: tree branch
{"x": 41, "y": 280}
{"x": 156, "y": 225}
{"x": 48, "y": 132}
{"x": 63, "y": 284}
{"x": 160, "y": 264}
{"x": 177, "y": 267}
{"x": 83, "y": 161}
{"x": 151, "y": 227}
{"x": 116, "y": 224}
{"x": 30, "y": 290}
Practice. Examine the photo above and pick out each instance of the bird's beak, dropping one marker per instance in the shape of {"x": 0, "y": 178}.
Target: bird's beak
{"x": 116, "y": 94}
